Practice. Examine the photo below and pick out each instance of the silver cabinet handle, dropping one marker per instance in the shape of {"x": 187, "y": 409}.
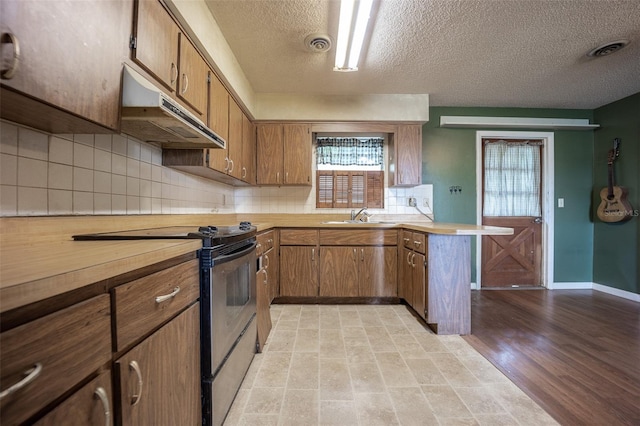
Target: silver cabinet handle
{"x": 101, "y": 394}
{"x": 266, "y": 257}
{"x": 9, "y": 72}
{"x": 413, "y": 265}
{"x": 313, "y": 255}
{"x": 417, "y": 243}
{"x": 231, "y": 163}
{"x": 286, "y": 177}
{"x": 31, "y": 374}
{"x": 135, "y": 398}
{"x": 166, "y": 297}
{"x": 185, "y": 83}
{"x": 278, "y": 177}
{"x": 408, "y": 256}
{"x": 355, "y": 256}
{"x": 174, "y": 73}
{"x": 244, "y": 172}
{"x": 226, "y": 164}
{"x": 266, "y": 277}
{"x": 362, "y": 254}
{"x": 406, "y": 240}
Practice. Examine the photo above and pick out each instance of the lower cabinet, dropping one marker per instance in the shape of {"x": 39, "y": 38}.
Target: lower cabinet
{"x": 266, "y": 282}
{"x": 299, "y": 260}
{"x": 47, "y": 357}
{"x": 298, "y": 271}
{"x": 159, "y": 379}
{"x": 91, "y": 405}
{"x": 58, "y": 368}
{"x": 354, "y": 271}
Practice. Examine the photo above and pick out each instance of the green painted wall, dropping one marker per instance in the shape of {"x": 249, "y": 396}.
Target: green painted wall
{"x": 449, "y": 159}
{"x": 617, "y": 246}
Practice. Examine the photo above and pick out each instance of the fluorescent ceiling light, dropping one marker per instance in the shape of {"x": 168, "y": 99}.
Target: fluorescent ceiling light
{"x": 357, "y": 37}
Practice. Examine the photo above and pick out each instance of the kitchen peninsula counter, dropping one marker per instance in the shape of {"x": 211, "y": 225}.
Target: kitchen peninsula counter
{"x": 39, "y": 259}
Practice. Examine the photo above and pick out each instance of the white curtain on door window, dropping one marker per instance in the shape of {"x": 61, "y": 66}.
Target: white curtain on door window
{"x": 512, "y": 179}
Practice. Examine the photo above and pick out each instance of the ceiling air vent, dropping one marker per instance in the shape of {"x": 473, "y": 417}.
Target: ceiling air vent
{"x": 318, "y": 43}
{"x": 608, "y": 49}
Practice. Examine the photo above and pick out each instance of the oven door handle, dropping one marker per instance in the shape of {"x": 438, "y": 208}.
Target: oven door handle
{"x": 233, "y": 256}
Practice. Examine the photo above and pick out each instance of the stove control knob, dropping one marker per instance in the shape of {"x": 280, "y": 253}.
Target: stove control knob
{"x": 245, "y": 225}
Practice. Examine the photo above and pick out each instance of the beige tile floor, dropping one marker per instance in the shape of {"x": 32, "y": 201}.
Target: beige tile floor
{"x": 373, "y": 365}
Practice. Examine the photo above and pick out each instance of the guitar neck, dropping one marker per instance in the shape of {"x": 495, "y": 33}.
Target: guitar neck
{"x": 610, "y": 181}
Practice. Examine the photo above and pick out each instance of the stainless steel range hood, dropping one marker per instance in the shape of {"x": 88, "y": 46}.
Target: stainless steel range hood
{"x": 150, "y": 115}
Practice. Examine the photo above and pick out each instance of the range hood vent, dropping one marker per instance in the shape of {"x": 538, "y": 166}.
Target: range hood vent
{"x": 152, "y": 116}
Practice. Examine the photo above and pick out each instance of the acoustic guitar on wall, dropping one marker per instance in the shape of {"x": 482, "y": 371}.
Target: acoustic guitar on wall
{"x": 614, "y": 206}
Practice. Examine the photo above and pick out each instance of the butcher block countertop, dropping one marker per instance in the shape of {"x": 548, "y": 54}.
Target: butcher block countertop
{"x": 39, "y": 258}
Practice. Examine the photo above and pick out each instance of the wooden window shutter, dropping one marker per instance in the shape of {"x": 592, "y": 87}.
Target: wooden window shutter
{"x": 324, "y": 189}
{"x": 358, "y": 189}
{"x": 375, "y": 190}
{"x": 342, "y": 192}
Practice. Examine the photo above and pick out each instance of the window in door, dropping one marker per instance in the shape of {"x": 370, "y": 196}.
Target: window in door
{"x": 349, "y": 172}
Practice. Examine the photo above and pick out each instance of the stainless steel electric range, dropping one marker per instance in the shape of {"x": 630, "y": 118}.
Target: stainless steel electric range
{"x": 228, "y": 327}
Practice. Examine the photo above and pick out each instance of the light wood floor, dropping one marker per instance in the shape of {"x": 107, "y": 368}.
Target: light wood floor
{"x": 575, "y": 352}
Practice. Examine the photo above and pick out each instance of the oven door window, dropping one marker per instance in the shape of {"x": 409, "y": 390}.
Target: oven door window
{"x": 238, "y": 284}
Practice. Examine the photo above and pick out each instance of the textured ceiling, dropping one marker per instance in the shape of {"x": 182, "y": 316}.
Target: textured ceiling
{"x": 502, "y": 53}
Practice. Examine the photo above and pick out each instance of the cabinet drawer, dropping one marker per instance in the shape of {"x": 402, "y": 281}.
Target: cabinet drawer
{"x": 68, "y": 345}
{"x": 329, "y": 237}
{"x": 419, "y": 242}
{"x": 139, "y": 306}
{"x": 407, "y": 239}
{"x": 92, "y": 405}
{"x": 298, "y": 237}
{"x": 266, "y": 242}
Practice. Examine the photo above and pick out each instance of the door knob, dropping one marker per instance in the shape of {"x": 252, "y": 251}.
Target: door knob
{"x": 537, "y": 220}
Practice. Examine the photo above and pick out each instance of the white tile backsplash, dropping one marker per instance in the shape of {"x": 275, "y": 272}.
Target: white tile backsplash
{"x": 44, "y": 174}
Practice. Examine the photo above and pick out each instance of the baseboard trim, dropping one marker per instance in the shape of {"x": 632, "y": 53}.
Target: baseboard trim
{"x": 617, "y": 292}
{"x": 597, "y": 287}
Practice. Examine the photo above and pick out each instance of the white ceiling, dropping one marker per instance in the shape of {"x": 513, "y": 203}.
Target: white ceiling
{"x": 500, "y": 53}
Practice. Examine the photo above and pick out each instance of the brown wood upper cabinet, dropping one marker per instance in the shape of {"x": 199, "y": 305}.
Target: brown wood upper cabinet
{"x": 405, "y": 156}
{"x": 166, "y": 53}
{"x": 284, "y": 154}
{"x": 67, "y": 79}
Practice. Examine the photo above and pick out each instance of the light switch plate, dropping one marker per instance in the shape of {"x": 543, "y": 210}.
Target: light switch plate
{"x": 560, "y": 203}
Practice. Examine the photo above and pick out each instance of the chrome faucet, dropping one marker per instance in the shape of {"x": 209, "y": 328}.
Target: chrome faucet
{"x": 355, "y": 215}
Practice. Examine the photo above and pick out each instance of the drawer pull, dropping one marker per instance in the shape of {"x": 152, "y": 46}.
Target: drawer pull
{"x": 166, "y": 297}
{"x": 406, "y": 240}
{"x": 101, "y": 394}
{"x": 417, "y": 243}
{"x": 31, "y": 374}
{"x": 135, "y": 398}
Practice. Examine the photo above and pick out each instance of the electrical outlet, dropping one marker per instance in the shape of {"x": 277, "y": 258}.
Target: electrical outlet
{"x": 412, "y": 201}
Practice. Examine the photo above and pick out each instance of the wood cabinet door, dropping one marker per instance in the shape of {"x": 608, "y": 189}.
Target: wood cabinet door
{"x": 378, "y": 271}
{"x": 297, "y": 154}
{"x": 263, "y": 315}
{"x": 91, "y": 405}
{"x": 273, "y": 273}
{"x": 156, "y": 46}
{"x": 193, "y": 83}
{"x": 71, "y": 56}
{"x": 339, "y": 271}
{"x": 408, "y": 155}
{"x": 248, "y": 151}
{"x": 405, "y": 286}
{"x": 298, "y": 271}
{"x": 269, "y": 162}
{"x": 159, "y": 379}
{"x": 53, "y": 353}
{"x": 218, "y": 122}
{"x": 418, "y": 266}
{"x": 235, "y": 140}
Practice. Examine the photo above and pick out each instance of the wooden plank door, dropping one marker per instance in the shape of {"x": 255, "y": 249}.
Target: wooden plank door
{"x": 512, "y": 261}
